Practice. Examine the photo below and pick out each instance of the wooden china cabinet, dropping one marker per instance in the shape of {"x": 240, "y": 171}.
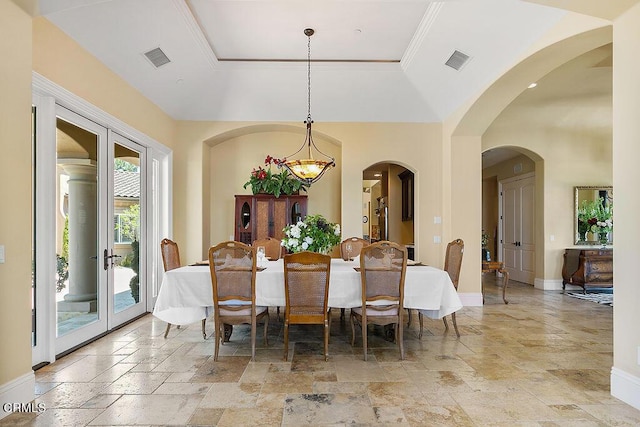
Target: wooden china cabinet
{"x": 259, "y": 216}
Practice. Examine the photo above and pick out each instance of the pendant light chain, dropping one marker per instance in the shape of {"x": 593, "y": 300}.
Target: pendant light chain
{"x": 309, "y": 78}
{"x": 308, "y": 170}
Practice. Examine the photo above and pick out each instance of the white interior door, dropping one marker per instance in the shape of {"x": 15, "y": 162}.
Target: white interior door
{"x": 518, "y": 214}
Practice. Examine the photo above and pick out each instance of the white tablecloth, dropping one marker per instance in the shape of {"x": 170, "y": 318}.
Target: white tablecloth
{"x": 186, "y": 295}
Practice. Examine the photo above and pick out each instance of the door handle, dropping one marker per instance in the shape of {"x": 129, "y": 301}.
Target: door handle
{"x": 108, "y": 257}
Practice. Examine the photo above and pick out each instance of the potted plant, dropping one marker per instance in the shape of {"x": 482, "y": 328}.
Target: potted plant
{"x": 263, "y": 180}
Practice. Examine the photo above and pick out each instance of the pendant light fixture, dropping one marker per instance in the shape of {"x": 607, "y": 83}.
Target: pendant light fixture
{"x": 308, "y": 170}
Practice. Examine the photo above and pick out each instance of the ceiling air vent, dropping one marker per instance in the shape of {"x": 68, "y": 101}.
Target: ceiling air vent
{"x": 157, "y": 57}
{"x": 457, "y": 60}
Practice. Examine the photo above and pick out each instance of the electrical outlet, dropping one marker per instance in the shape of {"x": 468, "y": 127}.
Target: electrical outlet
{"x": 436, "y": 239}
{"x": 437, "y": 220}
{"x": 1, "y": 254}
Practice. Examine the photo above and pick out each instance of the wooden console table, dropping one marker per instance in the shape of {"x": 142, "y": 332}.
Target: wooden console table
{"x": 488, "y": 266}
{"x": 588, "y": 267}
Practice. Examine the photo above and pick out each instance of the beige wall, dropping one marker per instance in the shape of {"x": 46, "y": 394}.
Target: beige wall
{"x": 626, "y": 176}
{"x": 15, "y": 176}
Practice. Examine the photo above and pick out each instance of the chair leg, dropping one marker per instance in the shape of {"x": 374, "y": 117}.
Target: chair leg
{"x": 455, "y": 325}
{"x": 446, "y": 325}
{"x": 408, "y": 317}
{"x": 266, "y": 328}
{"x": 166, "y": 332}
{"x": 342, "y": 314}
{"x": 353, "y": 328}
{"x": 326, "y": 340}
{"x": 218, "y": 328}
{"x": 253, "y": 337}
{"x": 420, "y": 321}
{"x": 400, "y": 337}
{"x": 204, "y": 331}
{"x": 286, "y": 338}
{"x": 363, "y": 321}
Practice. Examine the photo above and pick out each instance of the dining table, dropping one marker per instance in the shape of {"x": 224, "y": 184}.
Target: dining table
{"x": 186, "y": 295}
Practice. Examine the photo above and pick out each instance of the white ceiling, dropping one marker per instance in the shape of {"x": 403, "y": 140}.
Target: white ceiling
{"x": 412, "y": 38}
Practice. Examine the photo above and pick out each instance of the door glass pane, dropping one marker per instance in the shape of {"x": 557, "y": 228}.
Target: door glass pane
{"x": 126, "y": 233}
{"x": 77, "y": 257}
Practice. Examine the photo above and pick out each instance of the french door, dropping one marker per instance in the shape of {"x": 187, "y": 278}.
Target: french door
{"x": 90, "y": 206}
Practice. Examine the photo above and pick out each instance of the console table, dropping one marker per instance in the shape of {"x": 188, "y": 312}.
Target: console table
{"x": 498, "y": 266}
{"x": 586, "y": 267}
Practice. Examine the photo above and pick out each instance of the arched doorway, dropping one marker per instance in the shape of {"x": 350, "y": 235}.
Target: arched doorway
{"x": 387, "y": 203}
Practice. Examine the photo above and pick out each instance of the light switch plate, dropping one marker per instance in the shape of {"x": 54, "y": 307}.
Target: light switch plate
{"x": 436, "y": 239}
{"x": 1, "y": 254}
{"x": 437, "y": 220}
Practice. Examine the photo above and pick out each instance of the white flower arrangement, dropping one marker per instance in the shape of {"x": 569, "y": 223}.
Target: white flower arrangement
{"x": 314, "y": 234}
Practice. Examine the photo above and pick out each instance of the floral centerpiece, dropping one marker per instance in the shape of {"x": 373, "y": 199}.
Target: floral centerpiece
{"x": 595, "y": 217}
{"x": 314, "y": 234}
{"x": 263, "y": 180}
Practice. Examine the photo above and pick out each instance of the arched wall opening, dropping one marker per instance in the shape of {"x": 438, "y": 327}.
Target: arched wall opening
{"x": 473, "y": 133}
{"x": 231, "y": 156}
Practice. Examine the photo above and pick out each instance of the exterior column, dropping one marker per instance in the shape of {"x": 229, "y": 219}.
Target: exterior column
{"x": 83, "y": 237}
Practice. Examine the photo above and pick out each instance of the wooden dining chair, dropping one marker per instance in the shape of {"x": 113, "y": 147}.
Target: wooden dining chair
{"x": 170, "y": 261}
{"x": 272, "y": 247}
{"x": 356, "y": 246}
{"x": 452, "y": 265}
{"x": 306, "y": 285}
{"x": 233, "y": 281}
{"x": 383, "y": 266}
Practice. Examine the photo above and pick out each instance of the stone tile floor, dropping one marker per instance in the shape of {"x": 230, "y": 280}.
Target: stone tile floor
{"x": 542, "y": 360}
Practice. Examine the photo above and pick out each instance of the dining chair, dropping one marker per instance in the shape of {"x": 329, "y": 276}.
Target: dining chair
{"x": 452, "y": 265}
{"x": 351, "y": 247}
{"x": 272, "y": 247}
{"x": 233, "y": 280}
{"x": 306, "y": 285}
{"x": 170, "y": 261}
{"x": 383, "y": 267}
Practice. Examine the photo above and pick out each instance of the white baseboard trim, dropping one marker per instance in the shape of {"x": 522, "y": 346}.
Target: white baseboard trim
{"x": 471, "y": 299}
{"x": 20, "y": 390}
{"x": 625, "y": 387}
{"x": 550, "y": 284}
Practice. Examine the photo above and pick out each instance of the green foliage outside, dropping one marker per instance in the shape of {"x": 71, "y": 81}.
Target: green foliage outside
{"x": 134, "y": 283}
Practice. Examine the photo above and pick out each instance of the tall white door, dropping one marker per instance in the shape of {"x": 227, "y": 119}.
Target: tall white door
{"x": 518, "y": 214}
{"x": 89, "y": 225}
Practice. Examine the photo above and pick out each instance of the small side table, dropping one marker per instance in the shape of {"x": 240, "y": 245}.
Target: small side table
{"x": 488, "y": 266}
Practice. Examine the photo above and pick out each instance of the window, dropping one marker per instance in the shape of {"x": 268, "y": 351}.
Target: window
{"x": 124, "y": 232}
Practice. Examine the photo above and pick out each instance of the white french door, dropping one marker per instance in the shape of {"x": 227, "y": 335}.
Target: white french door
{"x": 90, "y": 225}
{"x": 518, "y": 237}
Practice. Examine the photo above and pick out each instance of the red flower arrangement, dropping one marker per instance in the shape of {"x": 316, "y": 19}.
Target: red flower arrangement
{"x": 263, "y": 180}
